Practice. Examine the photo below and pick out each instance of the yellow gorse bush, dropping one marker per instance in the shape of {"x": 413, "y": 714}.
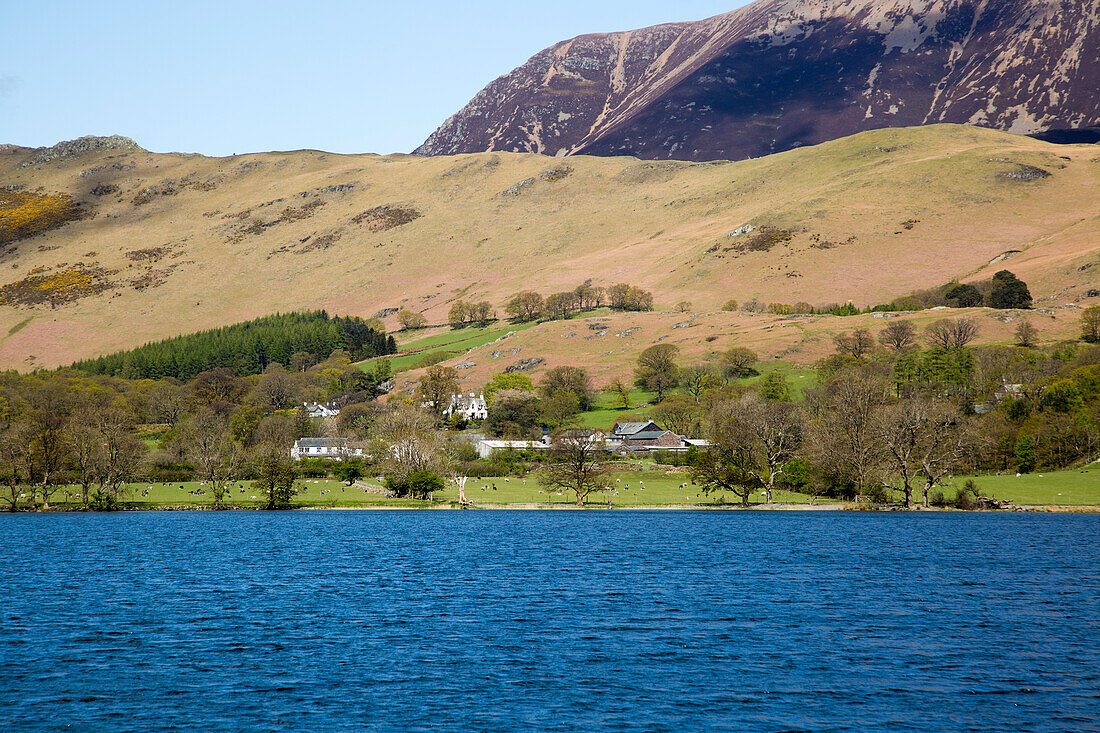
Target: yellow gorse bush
{"x": 56, "y": 287}
{"x": 24, "y": 214}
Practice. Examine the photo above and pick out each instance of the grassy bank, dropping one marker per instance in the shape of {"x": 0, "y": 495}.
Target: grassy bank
{"x": 1079, "y": 487}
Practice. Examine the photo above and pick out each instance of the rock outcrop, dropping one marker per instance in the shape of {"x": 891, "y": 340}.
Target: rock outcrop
{"x": 780, "y": 74}
{"x": 86, "y": 144}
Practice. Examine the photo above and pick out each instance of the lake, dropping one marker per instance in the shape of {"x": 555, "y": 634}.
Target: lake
{"x": 507, "y": 620}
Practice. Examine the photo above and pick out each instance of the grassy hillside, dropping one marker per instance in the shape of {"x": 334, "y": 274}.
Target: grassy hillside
{"x": 608, "y": 345}
{"x": 171, "y": 244}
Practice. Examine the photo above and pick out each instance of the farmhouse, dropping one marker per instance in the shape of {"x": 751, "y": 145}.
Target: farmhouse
{"x": 642, "y": 437}
{"x": 333, "y": 448}
{"x": 470, "y": 407}
{"x": 316, "y": 410}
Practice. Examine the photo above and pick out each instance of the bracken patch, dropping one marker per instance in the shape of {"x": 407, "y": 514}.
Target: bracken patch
{"x": 383, "y": 218}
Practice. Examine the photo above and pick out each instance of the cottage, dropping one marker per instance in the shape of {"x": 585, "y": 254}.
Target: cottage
{"x": 641, "y": 437}
{"x": 315, "y": 410}
{"x": 486, "y": 448}
{"x": 332, "y": 448}
{"x": 469, "y": 407}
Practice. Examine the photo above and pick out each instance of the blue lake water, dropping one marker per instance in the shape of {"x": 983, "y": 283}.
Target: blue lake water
{"x": 657, "y": 621}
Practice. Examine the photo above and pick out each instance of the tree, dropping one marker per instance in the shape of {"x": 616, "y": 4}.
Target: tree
{"x": 1090, "y": 324}
{"x": 1026, "y": 335}
{"x": 215, "y": 453}
{"x": 350, "y": 471}
{"x": 844, "y": 436}
{"x": 774, "y": 431}
{"x": 697, "y": 380}
{"x": 407, "y": 441}
{"x": 120, "y": 451}
{"x": 560, "y": 306}
{"x": 482, "y": 312}
{"x": 525, "y": 306}
{"x": 514, "y": 414}
{"x": 728, "y": 463}
{"x": 420, "y": 484}
{"x": 738, "y": 362}
{"x": 684, "y": 306}
{"x": 275, "y": 479}
{"x": 898, "y": 336}
{"x": 217, "y": 385}
{"x": 559, "y": 409}
{"x": 501, "y": 382}
{"x": 276, "y": 389}
{"x": 730, "y": 305}
{"x": 680, "y": 414}
{"x": 657, "y": 370}
{"x": 953, "y": 333}
{"x": 411, "y": 320}
{"x": 47, "y": 437}
{"x": 902, "y": 429}
{"x": 459, "y": 314}
{"x": 576, "y": 465}
{"x": 568, "y": 379}
{"x": 964, "y": 295}
{"x": 856, "y": 344}
{"x": 1008, "y": 291}
{"x": 775, "y": 387}
{"x": 621, "y": 392}
{"x": 437, "y": 386}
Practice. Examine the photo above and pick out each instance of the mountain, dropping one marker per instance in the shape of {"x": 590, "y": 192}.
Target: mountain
{"x": 105, "y": 246}
{"x": 781, "y": 74}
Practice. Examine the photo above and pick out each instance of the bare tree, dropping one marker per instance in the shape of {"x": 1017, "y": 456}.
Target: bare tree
{"x": 216, "y": 456}
{"x": 776, "y": 430}
{"x": 856, "y": 344}
{"x": 953, "y": 333}
{"x": 902, "y": 430}
{"x": 577, "y": 464}
{"x": 844, "y": 435}
{"x": 406, "y": 441}
{"x": 898, "y": 336}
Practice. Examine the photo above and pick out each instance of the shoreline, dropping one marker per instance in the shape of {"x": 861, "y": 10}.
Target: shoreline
{"x": 562, "y": 506}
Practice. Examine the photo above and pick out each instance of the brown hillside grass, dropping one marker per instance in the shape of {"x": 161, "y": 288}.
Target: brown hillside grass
{"x": 867, "y": 218}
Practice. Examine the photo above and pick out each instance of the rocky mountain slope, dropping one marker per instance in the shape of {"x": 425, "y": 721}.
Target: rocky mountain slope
{"x": 105, "y": 246}
{"x": 781, "y": 74}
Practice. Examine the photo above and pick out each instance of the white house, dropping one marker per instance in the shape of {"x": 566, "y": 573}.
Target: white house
{"x": 316, "y": 410}
{"x": 486, "y": 448}
{"x": 334, "y": 448}
{"x": 471, "y": 407}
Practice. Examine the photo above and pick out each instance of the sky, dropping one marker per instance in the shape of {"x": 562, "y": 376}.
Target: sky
{"x": 244, "y": 76}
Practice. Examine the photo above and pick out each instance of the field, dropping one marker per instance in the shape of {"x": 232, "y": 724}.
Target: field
{"x": 644, "y": 488}
{"x": 175, "y": 243}
{"x": 451, "y": 343}
{"x": 1080, "y": 487}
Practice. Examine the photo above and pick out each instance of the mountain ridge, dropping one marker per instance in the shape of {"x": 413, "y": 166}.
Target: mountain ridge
{"x": 779, "y": 74}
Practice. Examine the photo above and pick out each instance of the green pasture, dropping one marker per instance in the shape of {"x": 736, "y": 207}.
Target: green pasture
{"x": 634, "y": 488}
{"x": 1077, "y": 487}
{"x": 452, "y": 343}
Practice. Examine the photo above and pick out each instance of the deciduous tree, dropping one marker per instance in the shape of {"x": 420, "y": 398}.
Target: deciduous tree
{"x": 657, "y": 370}
{"x": 577, "y": 464}
{"x": 898, "y": 336}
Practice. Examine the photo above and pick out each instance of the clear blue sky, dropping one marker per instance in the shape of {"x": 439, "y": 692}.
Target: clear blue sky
{"x": 238, "y": 76}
